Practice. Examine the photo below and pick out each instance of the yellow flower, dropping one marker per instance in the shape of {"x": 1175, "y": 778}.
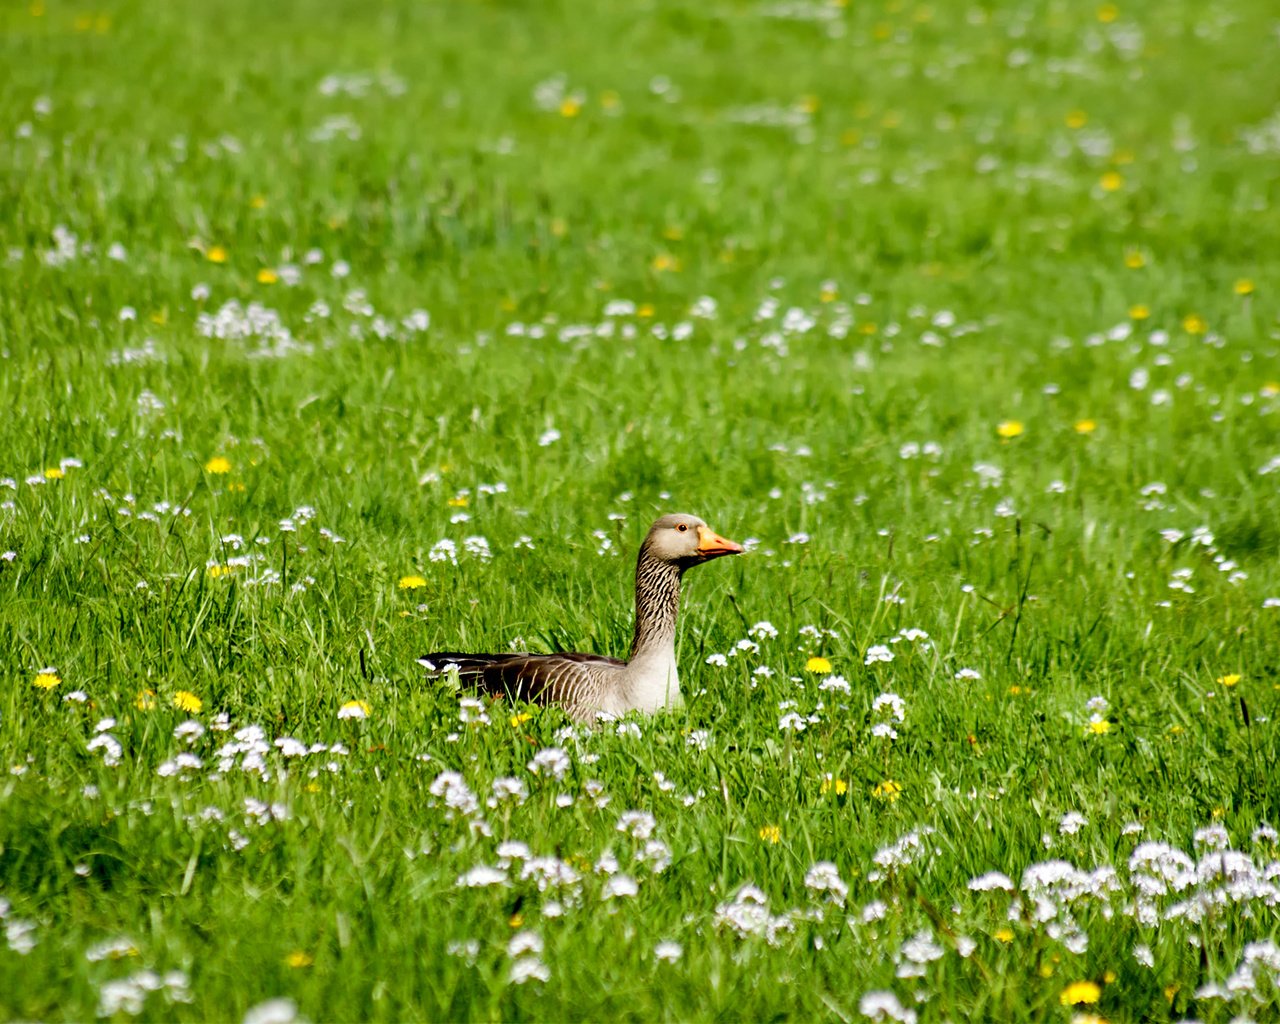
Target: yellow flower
{"x": 809, "y": 104}
{"x": 461, "y": 501}
{"x": 889, "y": 791}
{"x": 673, "y": 232}
{"x": 412, "y": 582}
{"x": 817, "y": 664}
{"x": 46, "y": 679}
{"x": 1171, "y": 990}
{"x": 570, "y": 107}
{"x": 354, "y": 709}
{"x": 216, "y": 254}
{"x": 267, "y": 276}
{"x": 664, "y": 262}
{"x": 1194, "y": 323}
{"x": 1243, "y": 287}
{"x": 298, "y": 959}
{"x": 1139, "y": 312}
{"x": 258, "y": 202}
{"x": 54, "y": 473}
{"x": 1045, "y": 970}
{"x": 217, "y": 571}
{"x": 520, "y": 719}
{"x": 185, "y": 700}
{"x": 830, "y": 782}
{"x": 219, "y": 464}
{"x": 515, "y": 920}
{"x": 828, "y": 294}
{"x": 146, "y": 700}
{"x": 1009, "y": 428}
{"x": 645, "y": 310}
{"x": 1080, "y": 992}
{"x": 1229, "y": 681}
{"x": 1004, "y": 935}
{"x": 1098, "y": 727}
{"x": 1109, "y": 976}
{"x": 1112, "y": 181}
{"x": 1271, "y": 389}
{"x": 1086, "y": 426}
{"x": 771, "y": 834}
{"x": 1077, "y": 119}
{"x": 1108, "y": 13}
{"x": 1134, "y": 260}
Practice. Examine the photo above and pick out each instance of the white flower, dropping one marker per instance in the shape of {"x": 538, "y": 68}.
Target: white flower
{"x": 1071, "y": 823}
{"x": 889, "y": 705}
{"x": 548, "y": 437}
{"x": 668, "y": 951}
{"x": 619, "y": 886}
{"x": 791, "y": 722}
{"x": 837, "y": 684}
{"x": 824, "y": 876}
{"x": 968, "y": 674}
{"x": 524, "y": 942}
{"x": 884, "y": 1006}
{"x": 482, "y": 875}
{"x": 637, "y": 824}
{"x": 551, "y": 762}
{"x": 991, "y": 880}
{"x": 529, "y": 968}
{"x": 273, "y": 1011}
{"x": 878, "y": 653}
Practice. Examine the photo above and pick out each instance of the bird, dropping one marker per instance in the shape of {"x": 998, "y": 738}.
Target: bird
{"x": 590, "y": 686}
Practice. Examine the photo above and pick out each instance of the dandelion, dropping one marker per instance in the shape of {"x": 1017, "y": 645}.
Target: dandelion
{"x": 1243, "y": 287}
{"x": 817, "y": 665}
{"x": 520, "y": 719}
{"x": 1086, "y": 426}
{"x": 46, "y": 679}
{"x": 1229, "y": 680}
{"x": 830, "y": 783}
{"x": 1008, "y": 429}
{"x": 1108, "y": 13}
{"x": 1194, "y": 323}
{"x": 1139, "y": 312}
{"x": 216, "y": 254}
{"x": 1004, "y": 935}
{"x": 185, "y": 700}
{"x": 146, "y": 700}
{"x": 267, "y": 276}
{"x": 412, "y": 582}
{"x": 218, "y": 465}
{"x": 1080, "y": 992}
{"x": 888, "y": 790}
{"x": 54, "y": 473}
{"x": 771, "y": 834}
{"x": 1134, "y": 259}
{"x": 1098, "y": 726}
{"x": 298, "y": 959}
{"x": 1076, "y": 119}
{"x": 1112, "y": 181}
{"x": 354, "y": 709}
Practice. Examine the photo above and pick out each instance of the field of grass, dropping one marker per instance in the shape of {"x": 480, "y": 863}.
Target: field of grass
{"x": 332, "y": 333}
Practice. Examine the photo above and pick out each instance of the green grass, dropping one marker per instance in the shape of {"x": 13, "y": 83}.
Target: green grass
{"x": 1032, "y": 213}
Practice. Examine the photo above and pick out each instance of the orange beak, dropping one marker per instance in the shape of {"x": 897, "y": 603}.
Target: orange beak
{"x": 712, "y": 545}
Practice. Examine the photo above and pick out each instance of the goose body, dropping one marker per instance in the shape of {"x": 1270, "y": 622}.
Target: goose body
{"x": 589, "y": 685}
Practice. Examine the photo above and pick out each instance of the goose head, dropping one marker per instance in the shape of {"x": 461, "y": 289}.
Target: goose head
{"x": 685, "y": 540}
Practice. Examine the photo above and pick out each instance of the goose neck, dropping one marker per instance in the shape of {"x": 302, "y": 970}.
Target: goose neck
{"x": 657, "y": 603}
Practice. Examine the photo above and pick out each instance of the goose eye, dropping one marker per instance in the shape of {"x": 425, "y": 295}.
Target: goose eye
{"x": 683, "y": 527}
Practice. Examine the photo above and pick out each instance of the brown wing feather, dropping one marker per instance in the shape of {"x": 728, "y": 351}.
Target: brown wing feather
{"x": 540, "y": 678}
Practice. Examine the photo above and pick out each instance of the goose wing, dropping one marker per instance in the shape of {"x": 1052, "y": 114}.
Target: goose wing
{"x": 573, "y": 680}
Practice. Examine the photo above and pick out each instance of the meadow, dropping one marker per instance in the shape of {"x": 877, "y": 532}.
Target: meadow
{"x": 332, "y": 333}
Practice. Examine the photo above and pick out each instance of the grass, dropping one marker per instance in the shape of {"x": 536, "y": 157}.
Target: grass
{"x": 992, "y": 313}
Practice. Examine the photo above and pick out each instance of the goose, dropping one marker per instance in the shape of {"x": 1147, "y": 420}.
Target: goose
{"x": 588, "y": 686}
